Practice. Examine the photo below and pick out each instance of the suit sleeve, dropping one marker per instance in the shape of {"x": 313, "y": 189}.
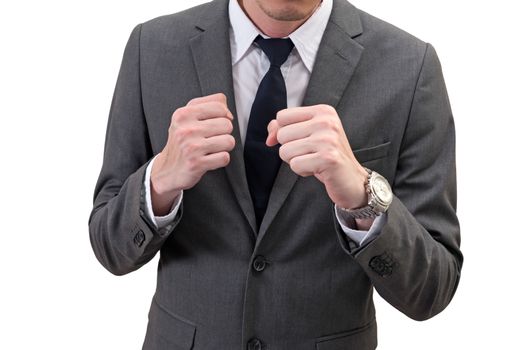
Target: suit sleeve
{"x": 415, "y": 261}
{"x": 122, "y": 236}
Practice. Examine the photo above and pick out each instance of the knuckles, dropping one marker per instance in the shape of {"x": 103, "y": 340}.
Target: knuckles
{"x": 329, "y": 157}
{"x": 283, "y": 153}
{"x": 184, "y": 132}
{"x": 225, "y": 158}
{"x": 221, "y": 97}
{"x": 222, "y": 160}
{"x": 190, "y": 111}
{"x": 327, "y": 123}
{"x": 326, "y": 109}
{"x": 179, "y": 115}
{"x": 215, "y": 97}
{"x": 230, "y": 142}
{"x": 227, "y": 125}
{"x": 328, "y": 140}
{"x": 280, "y": 137}
{"x": 194, "y": 164}
{"x": 191, "y": 148}
{"x": 218, "y": 108}
{"x": 296, "y": 168}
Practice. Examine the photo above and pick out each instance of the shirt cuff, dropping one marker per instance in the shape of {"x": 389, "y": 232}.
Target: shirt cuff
{"x": 159, "y": 221}
{"x": 358, "y": 236}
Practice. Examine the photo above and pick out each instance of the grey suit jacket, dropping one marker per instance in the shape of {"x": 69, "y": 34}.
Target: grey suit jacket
{"x": 297, "y": 283}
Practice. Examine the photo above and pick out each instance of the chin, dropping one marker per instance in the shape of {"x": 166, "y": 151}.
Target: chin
{"x": 287, "y": 10}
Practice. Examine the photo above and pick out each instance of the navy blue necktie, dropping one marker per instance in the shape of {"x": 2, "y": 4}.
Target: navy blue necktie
{"x": 263, "y": 162}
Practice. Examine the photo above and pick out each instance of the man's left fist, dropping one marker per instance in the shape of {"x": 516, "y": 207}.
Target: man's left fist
{"x": 313, "y": 142}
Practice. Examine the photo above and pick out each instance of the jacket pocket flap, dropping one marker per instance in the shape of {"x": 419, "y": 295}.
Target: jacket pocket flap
{"x": 363, "y": 338}
{"x": 171, "y": 327}
{"x": 371, "y": 153}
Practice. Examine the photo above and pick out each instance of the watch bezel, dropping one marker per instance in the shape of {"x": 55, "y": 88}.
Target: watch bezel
{"x": 374, "y": 182}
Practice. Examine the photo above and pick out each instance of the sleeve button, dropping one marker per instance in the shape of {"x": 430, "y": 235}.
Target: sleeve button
{"x": 382, "y": 264}
{"x": 139, "y": 238}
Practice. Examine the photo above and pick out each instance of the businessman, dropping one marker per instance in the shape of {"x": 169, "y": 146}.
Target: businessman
{"x": 285, "y": 158}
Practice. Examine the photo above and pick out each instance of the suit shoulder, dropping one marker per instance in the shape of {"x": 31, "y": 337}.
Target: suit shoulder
{"x": 388, "y": 38}
{"x": 173, "y": 27}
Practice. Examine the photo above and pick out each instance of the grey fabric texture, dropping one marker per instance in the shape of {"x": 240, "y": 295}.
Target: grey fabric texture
{"x": 310, "y": 288}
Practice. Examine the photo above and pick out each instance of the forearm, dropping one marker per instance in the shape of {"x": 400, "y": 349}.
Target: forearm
{"x": 415, "y": 261}
{"x": 122, "y": 237}
{"x": 408, "y": 267}
{"x": 119, "y": 234}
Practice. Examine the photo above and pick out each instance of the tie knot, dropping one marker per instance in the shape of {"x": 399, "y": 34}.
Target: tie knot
{"x": 277, "y": 50}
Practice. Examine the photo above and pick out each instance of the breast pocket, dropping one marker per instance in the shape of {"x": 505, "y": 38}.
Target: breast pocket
{"x": 368, "y": 154}
{"x": 167, "y": 330}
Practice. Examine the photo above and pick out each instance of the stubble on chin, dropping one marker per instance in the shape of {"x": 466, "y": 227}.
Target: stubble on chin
{"x": 288, "y": 13}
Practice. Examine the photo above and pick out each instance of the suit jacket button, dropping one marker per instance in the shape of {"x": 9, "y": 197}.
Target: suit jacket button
{"x": 259, "y": 263}
{"x": 255, "y": 344}
{"x": 139, "y": 238}
{"x": 382, "y": 264}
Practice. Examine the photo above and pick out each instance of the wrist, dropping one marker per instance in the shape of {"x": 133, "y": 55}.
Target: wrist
{"x": 162, "y": 203}
{"x": 161, "y": 179}
{"x": 364, "y": 224}
{"x": 358, "y": 197}
{"x": 162, "y": 196}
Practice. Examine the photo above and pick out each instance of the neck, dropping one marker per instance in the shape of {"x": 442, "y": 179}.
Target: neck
{"x": 271, "y": 27}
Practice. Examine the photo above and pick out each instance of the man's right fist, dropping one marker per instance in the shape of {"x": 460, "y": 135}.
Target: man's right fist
{"x": 199, "y": 139}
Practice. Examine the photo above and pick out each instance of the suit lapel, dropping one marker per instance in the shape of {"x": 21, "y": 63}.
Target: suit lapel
{"x": 336, "y": 60}
{"x": 211, "y": 49}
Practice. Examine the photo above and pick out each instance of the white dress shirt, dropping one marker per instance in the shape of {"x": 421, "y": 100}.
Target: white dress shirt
{"x": 249, "y": 65}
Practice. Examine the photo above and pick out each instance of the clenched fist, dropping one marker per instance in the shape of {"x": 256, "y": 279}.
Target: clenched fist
{"x": 313, "y": 142}
{"x": 199, "y": 139}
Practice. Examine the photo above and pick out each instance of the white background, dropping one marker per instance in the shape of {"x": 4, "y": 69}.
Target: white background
{"x": 58, "y": 66}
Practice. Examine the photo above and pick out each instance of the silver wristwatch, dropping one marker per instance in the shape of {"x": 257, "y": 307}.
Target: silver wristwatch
{"x": 379, "y": 197}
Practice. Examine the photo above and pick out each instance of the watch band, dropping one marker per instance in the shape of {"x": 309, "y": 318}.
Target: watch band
{"x": 366, "y": 212}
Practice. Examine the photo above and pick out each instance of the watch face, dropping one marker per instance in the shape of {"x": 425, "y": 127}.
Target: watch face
{"x": 381, "y": 190}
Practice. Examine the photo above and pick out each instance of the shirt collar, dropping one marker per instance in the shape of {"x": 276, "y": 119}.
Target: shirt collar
{"x": 306, "y": 38}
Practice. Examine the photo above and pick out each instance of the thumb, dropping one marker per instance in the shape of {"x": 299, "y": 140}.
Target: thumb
{"x": 273, "y": 127}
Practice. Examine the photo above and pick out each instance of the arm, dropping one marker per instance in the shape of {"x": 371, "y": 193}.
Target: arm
{"x": 122, "y": 236}
{"x": 415, "y": 262}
